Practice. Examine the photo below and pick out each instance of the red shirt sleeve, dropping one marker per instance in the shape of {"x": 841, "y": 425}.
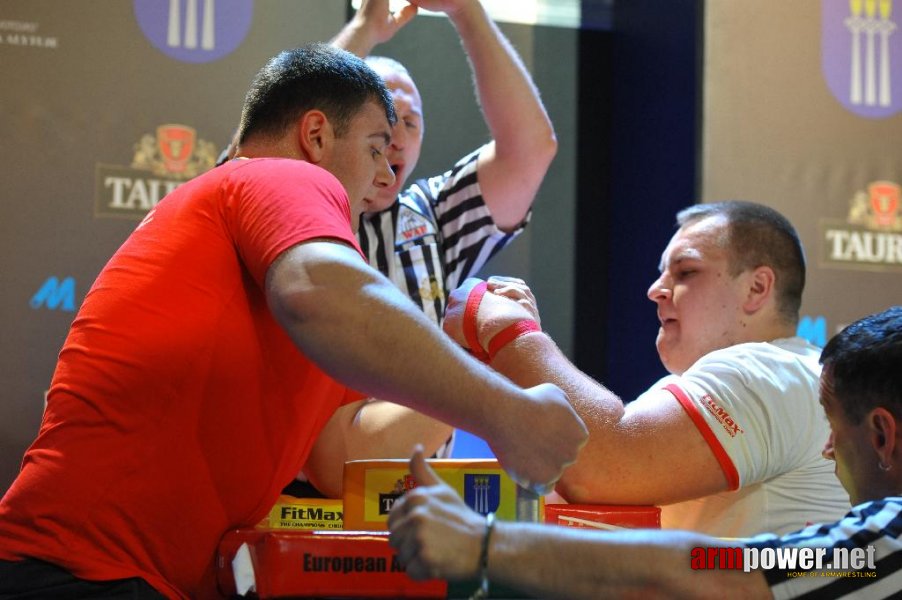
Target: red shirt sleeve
{"x": 272, "y": 204}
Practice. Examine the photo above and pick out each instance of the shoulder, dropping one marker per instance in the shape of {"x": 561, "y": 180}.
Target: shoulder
{"x": 881, "y": 515}
{"x": 780, "y": 349}
{"x": 755, "y": 376}
{"x": 278, "y": 173}
{"x": 464, "y": 173}
{"x": 787, "y": 357}
{"x": 884, "y": 510}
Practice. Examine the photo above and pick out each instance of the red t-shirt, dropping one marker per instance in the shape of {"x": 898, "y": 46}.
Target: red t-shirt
{"x": 179, "y": 408}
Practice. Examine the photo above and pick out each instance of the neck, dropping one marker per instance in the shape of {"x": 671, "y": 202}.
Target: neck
{"x": 269, "y": 148}
{"x": 764, "y": 326}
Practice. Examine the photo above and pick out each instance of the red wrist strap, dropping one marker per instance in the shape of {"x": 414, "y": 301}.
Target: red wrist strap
{"x": 510, "y": 333}
{"x": 474, "y": 299}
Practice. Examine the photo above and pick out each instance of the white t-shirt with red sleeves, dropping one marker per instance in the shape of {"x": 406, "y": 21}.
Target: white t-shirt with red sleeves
{"x": 756, "y": 405}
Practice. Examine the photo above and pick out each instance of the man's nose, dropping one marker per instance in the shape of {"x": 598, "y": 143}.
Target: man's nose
{"x": 385, "y": 176}
{"x": 659, "y": 291}
{"x": 399, "y": 136}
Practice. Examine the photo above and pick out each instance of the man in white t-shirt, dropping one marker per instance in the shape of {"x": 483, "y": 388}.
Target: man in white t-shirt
{"x": 730, "y": 443}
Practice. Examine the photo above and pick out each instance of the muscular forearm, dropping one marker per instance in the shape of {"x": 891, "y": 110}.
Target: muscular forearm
{"x": 356, "y": 38}
{"x": 505, "y": 89}
{"x": 536, "y": 358}
{"x": 554, "y": 562}
{"x": 353, "y": 323}
{"x": 628, "y": 458}
{"x": 524, "y": 140}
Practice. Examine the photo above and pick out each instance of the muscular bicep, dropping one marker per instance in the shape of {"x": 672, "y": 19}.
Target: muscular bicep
{"x": 325, "y": 464}
{"x": 300, "y": 276}
{"x": 508, "y": 186}
{"x": 370, "y": 429}
{"x": 654, "y": 454}
{"x": 681, "y": 461}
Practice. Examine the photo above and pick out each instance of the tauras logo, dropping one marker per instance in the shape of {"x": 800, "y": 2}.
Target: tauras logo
{"x": 160, "y": 164}
{"x": 871, "y": 235}
{"x": 387, "y": 500}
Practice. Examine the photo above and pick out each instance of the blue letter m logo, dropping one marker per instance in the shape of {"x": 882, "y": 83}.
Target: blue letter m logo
{"x": 815, "y": 331}
{"x": 55, "y": 294}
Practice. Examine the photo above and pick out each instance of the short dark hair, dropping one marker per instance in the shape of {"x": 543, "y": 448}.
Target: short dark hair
{"x": 315, "y": 76}
{"x": 864, "y": 361}
{"x": 758, "y": 235}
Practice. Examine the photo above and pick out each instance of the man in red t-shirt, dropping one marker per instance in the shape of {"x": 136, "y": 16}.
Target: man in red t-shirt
{"x": 219, "y": 339}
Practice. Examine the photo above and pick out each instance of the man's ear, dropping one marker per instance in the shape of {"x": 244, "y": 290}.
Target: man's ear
{"x": 883, "y": 429}
{"x": 315, "y": 135}
{"x": 761, "y": 288}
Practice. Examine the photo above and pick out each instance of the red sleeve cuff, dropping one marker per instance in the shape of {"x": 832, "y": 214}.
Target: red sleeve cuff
{"x": 723, "y": 459}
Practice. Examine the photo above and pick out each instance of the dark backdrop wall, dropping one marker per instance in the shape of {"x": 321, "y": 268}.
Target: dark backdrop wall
{"x": 638, "y": 90}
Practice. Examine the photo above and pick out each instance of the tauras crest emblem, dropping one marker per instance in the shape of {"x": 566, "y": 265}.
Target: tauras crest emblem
{"x": 174, "y": 152}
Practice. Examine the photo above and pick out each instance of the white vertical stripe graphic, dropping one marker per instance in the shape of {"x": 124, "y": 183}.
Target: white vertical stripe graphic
{"x": 172, "y": 35}
{"x": 886, "y": 28}
{"x": 191, "y": 24}
{"x": 208, "y": 37}
{"x": 870, "y": 71}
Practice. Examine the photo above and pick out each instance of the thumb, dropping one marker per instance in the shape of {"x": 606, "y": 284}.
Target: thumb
{"x": 420, "y": 469}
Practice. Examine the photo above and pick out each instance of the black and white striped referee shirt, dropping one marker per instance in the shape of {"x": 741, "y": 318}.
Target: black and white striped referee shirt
{"x": 437, "y": 234}
{"x": 876, "y": 525}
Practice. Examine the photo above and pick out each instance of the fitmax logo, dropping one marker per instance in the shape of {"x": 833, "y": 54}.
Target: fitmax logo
{"x": 55, "y": 295}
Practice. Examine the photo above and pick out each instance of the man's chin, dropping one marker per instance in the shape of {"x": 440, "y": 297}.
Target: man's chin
{"x": 670, "y": 359}
{"x": 380, "y": 203}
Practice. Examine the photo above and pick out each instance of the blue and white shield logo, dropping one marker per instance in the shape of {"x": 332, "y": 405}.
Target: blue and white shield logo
{"x": 195, "y": 31}
{"x": 861, "y": 55}
{"x": 482, "y": 492}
